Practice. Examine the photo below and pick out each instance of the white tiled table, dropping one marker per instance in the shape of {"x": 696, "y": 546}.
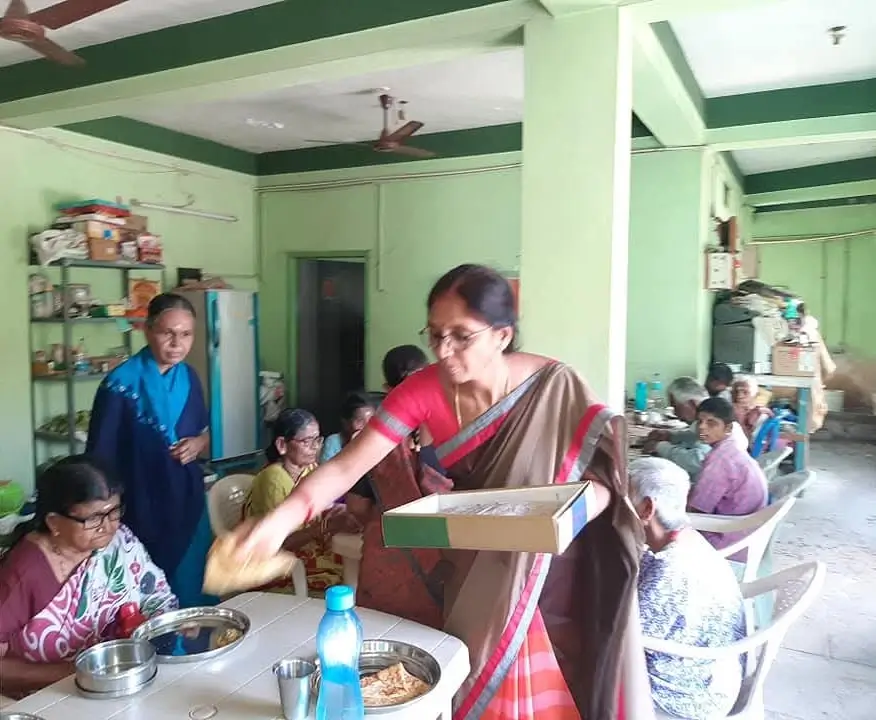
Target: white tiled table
{"x": 241, "y": 684}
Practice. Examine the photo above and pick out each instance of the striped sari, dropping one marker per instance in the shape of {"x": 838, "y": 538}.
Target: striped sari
{"x": 548, "y": 636}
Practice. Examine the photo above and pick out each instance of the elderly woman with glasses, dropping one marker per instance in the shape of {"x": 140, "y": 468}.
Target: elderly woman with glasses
{"x": 64, "y": 582}
{"x": 688, "y": 594}
{"x": 292, "y": 456}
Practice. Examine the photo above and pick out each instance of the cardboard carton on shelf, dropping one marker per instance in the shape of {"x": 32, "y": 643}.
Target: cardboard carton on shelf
{"x": 795, "y": 360}
{"x": 103, "y": 249}
{"x": 463, "y": 519}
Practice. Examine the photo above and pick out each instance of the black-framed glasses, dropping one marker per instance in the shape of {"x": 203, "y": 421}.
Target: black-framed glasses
{"x": 314, "y": 442}
{"x": 95, "y": 521}
{"x": 456, "y": 340}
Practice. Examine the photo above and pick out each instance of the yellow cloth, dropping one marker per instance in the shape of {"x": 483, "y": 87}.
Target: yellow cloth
{"x": 271, "y": 487}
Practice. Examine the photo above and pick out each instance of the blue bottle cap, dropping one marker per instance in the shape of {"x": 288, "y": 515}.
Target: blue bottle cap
{"x": 339, "y": 598}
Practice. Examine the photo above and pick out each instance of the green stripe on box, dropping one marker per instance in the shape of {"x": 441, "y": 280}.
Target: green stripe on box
{"x": 423, "y": 531}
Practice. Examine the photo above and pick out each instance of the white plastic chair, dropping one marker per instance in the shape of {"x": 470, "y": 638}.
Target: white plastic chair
{"x": 225, "y": 502}
{"x": 225, "y": 508}
{"x": 349, "y": 547}
{"x": 761, "y": 527}
{"x": 795, "y": 589}
{"x": 770, "y": 461}
{"x": 791, "y": 484}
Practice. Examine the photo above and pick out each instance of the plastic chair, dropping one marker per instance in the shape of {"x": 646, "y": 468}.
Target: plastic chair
{"x": 769, "y": 462}
{"x": 795, "y": 589}
{"x": 791, "y": 484}
{"x": 225, "y": 502}
{"x": 761, "y": 526}
{"x": 225, "y": 508}
{"x": 349, "y": 547}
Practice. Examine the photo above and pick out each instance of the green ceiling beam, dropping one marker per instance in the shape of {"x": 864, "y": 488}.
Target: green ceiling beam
{"x": 650, "y": 11}
{"x": 269, "y": 27}
{"x": 818, "y": 113}
{"x": 837, "y": 191}
{"x": 168, "y": 142}
{"x": 847, "y": 171}
{"x": 296, "y": 44}
{"x": 817, "y": 204}
{"x": 667, "y": 103}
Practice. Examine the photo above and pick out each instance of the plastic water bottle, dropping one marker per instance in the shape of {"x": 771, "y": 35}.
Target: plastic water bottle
{"x": 641, "y": 400}
{"x": 656, "y": 399}
{"x": 338, "y": 643}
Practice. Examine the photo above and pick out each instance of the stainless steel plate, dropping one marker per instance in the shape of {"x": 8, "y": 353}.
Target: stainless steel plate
{"x": 112, "y": 695}
{"x": 18, "y": 716}
{"x": 194, "y": 634}
{"x": 377, "y": 655}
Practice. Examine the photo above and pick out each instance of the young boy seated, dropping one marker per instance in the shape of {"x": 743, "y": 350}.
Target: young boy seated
{"x": 730, "y": 482}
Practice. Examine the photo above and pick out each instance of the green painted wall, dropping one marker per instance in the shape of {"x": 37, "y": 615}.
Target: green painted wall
{"x": 411, "y": 231}
{"x": 36, "y": 176}
{"x": 423, "y": 226}
{"x": 668, "y": 314}
{"x": 836, "y": 278}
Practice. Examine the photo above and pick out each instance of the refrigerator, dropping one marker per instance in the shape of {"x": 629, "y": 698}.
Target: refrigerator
{"x": 225, "y": 356}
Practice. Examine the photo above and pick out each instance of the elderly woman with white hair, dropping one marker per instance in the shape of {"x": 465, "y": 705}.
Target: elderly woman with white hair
{"x": 688, "y": 594}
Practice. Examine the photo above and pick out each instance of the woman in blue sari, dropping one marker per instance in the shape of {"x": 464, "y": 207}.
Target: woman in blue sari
{"x": 150, "y": 423}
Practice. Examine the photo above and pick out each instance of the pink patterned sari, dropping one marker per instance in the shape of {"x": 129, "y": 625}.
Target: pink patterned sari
{"x": 84, "y": 610}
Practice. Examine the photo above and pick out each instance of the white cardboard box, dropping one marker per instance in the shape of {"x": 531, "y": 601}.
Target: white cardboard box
{"x": 425, "y": 523}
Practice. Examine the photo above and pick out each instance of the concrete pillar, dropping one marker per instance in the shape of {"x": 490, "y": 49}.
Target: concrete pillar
{"x": 576, "y": 193}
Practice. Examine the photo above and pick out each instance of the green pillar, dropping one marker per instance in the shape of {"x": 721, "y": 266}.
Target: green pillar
{"x": 576, "y": 190}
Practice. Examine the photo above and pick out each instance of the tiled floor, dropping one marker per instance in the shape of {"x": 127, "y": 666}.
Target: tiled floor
{"x": 827, "y": 667}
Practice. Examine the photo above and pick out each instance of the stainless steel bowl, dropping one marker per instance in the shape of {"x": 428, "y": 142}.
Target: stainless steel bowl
{"x": 377, "y": 655}
{"x": 116, "y": 666}
{"x": 18, "y": 716}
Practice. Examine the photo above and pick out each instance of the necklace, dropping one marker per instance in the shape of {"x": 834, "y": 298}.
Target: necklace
{"x": 501, "y": 397}
{"x": 66, "y": 564}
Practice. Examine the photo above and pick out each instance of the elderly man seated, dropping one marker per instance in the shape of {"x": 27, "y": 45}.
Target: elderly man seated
{"x": 684, "y": 447}
{"x": 687, "y": 594}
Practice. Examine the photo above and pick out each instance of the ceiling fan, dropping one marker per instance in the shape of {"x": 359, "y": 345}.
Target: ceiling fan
{"x": 20, "y": 25}
{"x": 392, "y": 141}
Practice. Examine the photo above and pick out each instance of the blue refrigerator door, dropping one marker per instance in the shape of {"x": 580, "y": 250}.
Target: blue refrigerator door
{"x": 232, "y": 350}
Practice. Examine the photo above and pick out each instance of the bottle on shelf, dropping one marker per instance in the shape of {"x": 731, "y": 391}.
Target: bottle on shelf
{"x": 81, "y": 362}
{"x": 338, "y": 644}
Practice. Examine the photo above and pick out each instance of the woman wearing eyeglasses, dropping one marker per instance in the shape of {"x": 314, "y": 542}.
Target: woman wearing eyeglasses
{"x": 557, "y": 637}
{"x": 292, "y": 456}
{"x": 149, "y": 424}
{"x": 63, "y": 582}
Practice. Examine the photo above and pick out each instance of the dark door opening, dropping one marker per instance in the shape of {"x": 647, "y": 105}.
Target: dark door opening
{"x": 331, "y": 336}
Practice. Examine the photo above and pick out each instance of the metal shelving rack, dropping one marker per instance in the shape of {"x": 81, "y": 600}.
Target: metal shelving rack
{"x": 70, "y": 377}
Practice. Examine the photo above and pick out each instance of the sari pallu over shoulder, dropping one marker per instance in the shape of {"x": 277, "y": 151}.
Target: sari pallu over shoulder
{"x": 549, "y": 430}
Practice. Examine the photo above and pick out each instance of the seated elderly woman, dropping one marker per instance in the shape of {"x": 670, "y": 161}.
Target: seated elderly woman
{"x": 63, "y": 582}
{"x": 731, "y": 482}
{"x": 747, "y": 409}
{"x": 291, "y": 457}
{"x": 684, "y": 447}
{"x": 687, "y": 594}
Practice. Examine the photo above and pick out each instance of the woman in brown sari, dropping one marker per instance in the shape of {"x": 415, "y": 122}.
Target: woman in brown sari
{"x": 549, "y": 636}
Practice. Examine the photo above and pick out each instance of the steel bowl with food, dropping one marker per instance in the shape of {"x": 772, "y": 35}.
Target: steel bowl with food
{"x": 117, "y": 666}
{"x": 379, "y": 655}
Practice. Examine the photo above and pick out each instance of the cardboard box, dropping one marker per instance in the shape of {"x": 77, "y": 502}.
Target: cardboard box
{"x": 97, "y": 229}
{"x": 795, "y": 360}
{"x": 431, "y": 523}
{"x": 103, "y": 249}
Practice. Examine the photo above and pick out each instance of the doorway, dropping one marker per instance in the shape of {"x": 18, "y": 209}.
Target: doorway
{"x": 330, "y": 346}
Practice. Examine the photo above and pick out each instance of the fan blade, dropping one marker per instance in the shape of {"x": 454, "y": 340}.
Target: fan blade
{"x": 413, "y": 152}
{"x": 71, "y": 11}
{"x": 17, "y": 10}
{"x": 55, "y": 52}
{"x": 403, "y": 133}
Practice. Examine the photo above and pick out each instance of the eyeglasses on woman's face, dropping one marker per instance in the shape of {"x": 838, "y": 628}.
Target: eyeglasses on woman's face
{"x": 312, "y": 442}
{"x": 96, "y": 520}
{"x": 455, "y": 340}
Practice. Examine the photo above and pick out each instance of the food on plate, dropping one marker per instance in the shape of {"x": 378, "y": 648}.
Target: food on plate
{"x": 392, "y": 686}
{"x": 225, "y": 573}
{"x": 228, "y": 636}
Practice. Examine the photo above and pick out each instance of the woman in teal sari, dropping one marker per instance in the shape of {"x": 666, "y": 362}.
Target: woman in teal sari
{"x": 150, "y": 423}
